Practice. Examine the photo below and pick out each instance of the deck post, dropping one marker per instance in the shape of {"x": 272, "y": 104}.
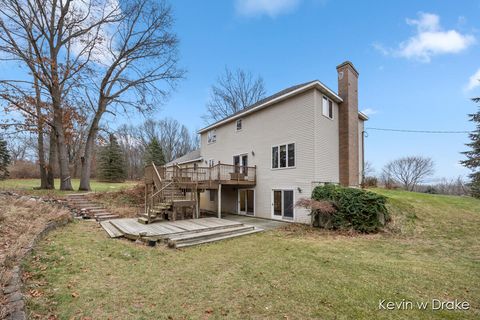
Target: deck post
{"x": 219, "y": 201}
{"x": 197, "y": 207}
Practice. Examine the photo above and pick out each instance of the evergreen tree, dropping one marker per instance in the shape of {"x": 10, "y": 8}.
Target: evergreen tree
{"x": 111, "y": 162}
{"x": 154, "y": 153}
{"x": 473, "y": 155}
{"x": 4, "y": 159}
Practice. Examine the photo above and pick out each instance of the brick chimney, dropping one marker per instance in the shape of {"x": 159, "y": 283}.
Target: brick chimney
{"x": 348, "y": 123}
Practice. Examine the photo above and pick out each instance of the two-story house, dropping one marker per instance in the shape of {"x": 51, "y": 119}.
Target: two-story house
{"x": 282, "y": 147}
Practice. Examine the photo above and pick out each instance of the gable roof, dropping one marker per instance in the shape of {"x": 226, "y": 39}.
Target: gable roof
{"x": 187, "y": 158}
{"x": 277, "y": 97}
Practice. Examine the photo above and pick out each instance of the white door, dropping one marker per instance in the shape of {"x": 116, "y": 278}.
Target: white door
{"x": 283, "y": 204}
{"x": 246, "y": 201}
{"x": 241, "y": 163}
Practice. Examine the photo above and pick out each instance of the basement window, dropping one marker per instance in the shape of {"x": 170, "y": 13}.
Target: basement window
{"x": 327, "y": 107}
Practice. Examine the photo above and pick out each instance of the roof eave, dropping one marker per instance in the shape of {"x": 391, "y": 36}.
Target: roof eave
{"x": 306, "y": 87}
{"x": 362, "y": 116}
{"x": 184, "y": 162}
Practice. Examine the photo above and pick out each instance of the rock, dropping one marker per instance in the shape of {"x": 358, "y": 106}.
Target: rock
{"x": 18, "y": 315}
{"x": 16, "y": 296}
{"x": 10, "y": 289}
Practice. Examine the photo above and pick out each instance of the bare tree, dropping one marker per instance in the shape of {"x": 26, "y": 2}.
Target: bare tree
{"x": 140, "y": 68}
{"x": 409, "y": 171}
{"x": 234, "y": 91}
{"x": 133, "y": 149}
{"x": 55, "y": 41}
{"x": 368, "y": 169}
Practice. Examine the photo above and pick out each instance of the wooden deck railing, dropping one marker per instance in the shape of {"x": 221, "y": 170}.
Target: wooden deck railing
{"x": 217, "y": 173}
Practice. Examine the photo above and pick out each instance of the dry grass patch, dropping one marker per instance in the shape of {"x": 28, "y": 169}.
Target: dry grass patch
{"x": 20, "y": 221}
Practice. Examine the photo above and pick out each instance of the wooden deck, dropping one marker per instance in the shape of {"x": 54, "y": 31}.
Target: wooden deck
{"x": 180, "y": 233}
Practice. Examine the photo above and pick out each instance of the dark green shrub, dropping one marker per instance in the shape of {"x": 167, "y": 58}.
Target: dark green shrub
{"x": 357, "y": 209}
{"x": 431, "y": 190}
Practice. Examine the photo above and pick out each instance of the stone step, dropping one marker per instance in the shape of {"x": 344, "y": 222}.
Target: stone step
{"x": 83, "y": 204}
{"x": 79, "y": 201}
{"x": 97, "y": 210}
{"x": 101, "y": 214}
{"x": 90, "y": 208}
{"x": 194, "y": 243}
{"x": 107, "y": 217}
{"x": 175, "y": 240}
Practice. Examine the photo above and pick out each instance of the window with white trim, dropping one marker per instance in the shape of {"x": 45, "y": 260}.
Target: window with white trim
{"x": 239, "y": 124}
{"x": 283, "y": 156}
{"x": 327, "y": 107}
{"x": 212, "y": 136}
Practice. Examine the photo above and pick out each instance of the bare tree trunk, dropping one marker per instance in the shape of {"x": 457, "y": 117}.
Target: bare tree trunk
{"x": 65, "y": 178}
{"x": 40, "y": 144}
{"x": 52, "y": 157}
{"x": 89, "y": 145}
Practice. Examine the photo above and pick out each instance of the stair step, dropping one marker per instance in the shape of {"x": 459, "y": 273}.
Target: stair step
{"x": 152, "y": 219}
{"x": 90, "y": 208}
{"x": 173, "y": 241}
{"x": 107, "y": 217}
{"x": 194, "y": 243}
{"x": 143, "y": 220}
{"x": 112, "y": 231}
{"x": 84, "y": 205}
{"x": 103, "y": 214}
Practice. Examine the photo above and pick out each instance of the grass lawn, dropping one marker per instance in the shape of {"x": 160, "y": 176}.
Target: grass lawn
{"x": 28, "y": 185}
{"x": 293, "y": 273}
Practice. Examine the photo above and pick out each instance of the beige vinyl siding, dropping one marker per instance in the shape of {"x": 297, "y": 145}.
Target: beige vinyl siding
{"x": 297, "y": 120}
{"x": 326, "y": 143}
{"x": 361, "y": 124}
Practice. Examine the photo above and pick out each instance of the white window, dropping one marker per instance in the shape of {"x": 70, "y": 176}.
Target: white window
{"x": 327, "y": 107}
{"x": 212, "y": 136}
{"x": 283, "y": 156}
{"x": 239, "y": 124}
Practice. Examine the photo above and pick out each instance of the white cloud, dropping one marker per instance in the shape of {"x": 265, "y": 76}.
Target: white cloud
{"x": 474, "y": 81}
{"x": 429, "y": 40}
{"x": 368, "y": 111}
{"x": 271, "y": 8}
{"x": 101, "y": 53}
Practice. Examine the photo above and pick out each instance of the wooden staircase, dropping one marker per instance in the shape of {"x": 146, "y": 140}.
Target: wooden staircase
{"x": 168, "y": 198}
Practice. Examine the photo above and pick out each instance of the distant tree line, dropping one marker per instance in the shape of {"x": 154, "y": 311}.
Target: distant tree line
{"x": 153, "y": 141}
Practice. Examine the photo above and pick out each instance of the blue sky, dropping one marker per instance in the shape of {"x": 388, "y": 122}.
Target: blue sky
{"x": 418, "y": 63}
{"x": 415, "y": 60}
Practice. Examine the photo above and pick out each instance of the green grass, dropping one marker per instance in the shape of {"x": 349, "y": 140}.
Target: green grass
{"x": 29, "y": 185}
{"x": 294, "y": 273}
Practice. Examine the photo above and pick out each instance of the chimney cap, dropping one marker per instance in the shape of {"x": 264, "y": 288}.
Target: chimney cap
{"x": 350, "y": 64}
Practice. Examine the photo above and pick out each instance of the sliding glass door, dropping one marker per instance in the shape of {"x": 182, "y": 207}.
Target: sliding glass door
{"x": 283, "y": 204}
{"x": 246, "y": 201}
